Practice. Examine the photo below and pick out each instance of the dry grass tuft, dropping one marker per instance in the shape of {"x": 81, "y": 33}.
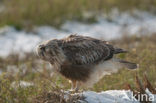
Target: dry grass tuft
{"x": 141, "y": 89}
{"x": 58, "y": 96}
{"x": 50, "y": 97}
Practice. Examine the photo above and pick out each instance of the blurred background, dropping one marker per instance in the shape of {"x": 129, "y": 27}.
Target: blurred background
{"x": 129, "y": 24}
{"x": 27, "y": 22}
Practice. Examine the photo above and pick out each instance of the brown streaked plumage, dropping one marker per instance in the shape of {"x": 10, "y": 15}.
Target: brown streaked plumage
{"x": 82, "y": 59}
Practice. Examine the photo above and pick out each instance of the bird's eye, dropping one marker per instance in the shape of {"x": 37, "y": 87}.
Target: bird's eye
{"x": 42, "y": 47}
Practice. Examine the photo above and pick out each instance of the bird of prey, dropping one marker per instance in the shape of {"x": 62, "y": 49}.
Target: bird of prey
{"x": 81, "y": 59}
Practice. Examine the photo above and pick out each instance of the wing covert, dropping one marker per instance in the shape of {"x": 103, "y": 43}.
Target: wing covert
{"x": 85, "y": 50}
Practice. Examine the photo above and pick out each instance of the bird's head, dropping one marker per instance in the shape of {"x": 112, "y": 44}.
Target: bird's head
{"x": 48, "y": 50}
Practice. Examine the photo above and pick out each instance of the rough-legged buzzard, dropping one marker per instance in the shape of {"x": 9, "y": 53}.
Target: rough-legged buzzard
{"x": 82, "y": 59}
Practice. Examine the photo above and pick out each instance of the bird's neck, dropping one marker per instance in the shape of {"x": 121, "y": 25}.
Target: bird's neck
{"x": 58, "y": 60}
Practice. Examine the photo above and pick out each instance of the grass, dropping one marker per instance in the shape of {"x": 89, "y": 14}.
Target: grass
{"x": 27, "y": 13}
{"x": 31, "y": 69}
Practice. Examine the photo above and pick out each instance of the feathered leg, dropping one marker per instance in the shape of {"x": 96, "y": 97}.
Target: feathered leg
{"x": 74, "y": 86}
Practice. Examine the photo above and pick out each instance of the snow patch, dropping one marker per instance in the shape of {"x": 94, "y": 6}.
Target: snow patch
{"x": 21, "y": 84}
{"x": 113, "y": 96}
{"x": 109, "y": 96}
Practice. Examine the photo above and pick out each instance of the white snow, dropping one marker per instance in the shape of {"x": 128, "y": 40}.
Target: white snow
{"x": 13, "y": 41}
{"x": 21, "y": 84}
{"x": 112, "y": 96}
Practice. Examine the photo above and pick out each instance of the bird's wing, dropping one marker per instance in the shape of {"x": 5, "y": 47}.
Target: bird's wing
{"x": 86, "y": 50}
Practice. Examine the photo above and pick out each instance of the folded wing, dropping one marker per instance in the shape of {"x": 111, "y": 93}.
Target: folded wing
{"x": 82, "y": 50}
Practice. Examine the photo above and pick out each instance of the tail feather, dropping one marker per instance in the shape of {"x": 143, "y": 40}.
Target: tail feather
{"x": 119, "y": 50}
{"x": 127, "y": 64}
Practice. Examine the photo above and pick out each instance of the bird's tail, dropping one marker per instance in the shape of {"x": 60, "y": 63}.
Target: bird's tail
{"x": 127, "y": 64}
{"x": 119, "y": 50}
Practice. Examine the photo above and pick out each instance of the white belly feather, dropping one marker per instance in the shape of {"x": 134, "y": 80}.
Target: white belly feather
{"x": 104, "y": 68}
